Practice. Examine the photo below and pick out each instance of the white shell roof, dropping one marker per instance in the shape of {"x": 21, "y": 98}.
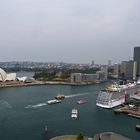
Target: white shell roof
{"x": 7, "y": 77}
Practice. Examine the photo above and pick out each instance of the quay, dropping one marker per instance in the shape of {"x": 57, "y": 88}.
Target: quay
{"x": 110, "y": 136}
{"x": 131, "y": 111}
{"x": 37, "y": 83}
{"x": 68, "y": 137}
{"x": 101, "y": 136}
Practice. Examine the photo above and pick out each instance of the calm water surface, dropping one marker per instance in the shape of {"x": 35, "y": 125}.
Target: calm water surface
{"x": 24, "y": 113}
{"x": 24, "y": 73}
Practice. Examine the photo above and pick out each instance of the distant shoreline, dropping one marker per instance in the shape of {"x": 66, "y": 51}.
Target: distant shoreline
{"x": 39, "y": 83}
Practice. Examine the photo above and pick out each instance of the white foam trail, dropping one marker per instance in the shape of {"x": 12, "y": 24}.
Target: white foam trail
{"x": 75, "y": 95}
{"x": 4, "y": 104}
{"x": 36, "y": 106}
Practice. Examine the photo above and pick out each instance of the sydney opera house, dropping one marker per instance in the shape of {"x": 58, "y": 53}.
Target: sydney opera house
{"x": 7, "y": 77}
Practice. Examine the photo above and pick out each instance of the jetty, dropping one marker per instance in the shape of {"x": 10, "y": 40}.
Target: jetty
{"x": 67, "y": 137}
{"x": 101, "y": 136}
{"x": 110, "y": 136}
{"x": 131, "y": 111}
{"x": 38, "y": 83}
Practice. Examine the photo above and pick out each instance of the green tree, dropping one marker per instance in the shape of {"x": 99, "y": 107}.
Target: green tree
{"x": 80, "y": 137}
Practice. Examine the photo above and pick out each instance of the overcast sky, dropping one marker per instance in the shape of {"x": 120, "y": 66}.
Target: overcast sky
{"x": 69, "y": 30}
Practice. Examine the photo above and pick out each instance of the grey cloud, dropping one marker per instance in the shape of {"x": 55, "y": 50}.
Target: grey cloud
{"x": 71, "y": 30}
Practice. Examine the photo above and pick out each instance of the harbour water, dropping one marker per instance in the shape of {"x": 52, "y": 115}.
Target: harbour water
{"x": 24, "y": 113}
{"x": 24, "y": 73}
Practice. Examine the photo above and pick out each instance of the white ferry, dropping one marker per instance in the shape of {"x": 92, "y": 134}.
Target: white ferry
{"x": 54, "y": 101}
{"x": 46, "y": 129}
{"x": 74, "y": 113}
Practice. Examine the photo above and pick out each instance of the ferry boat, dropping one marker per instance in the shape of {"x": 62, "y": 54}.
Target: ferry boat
{"x": 81, "y": 102}
{"x": 115, "y": 95}
{"x": 60, "y": 97}
{"x": 74, "y": 113}
{"x": 138, "y": 127}
{"x": 54, "y": 101}
{"x": 46, "y": 128}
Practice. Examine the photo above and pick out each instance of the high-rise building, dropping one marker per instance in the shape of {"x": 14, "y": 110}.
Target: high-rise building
{"x": 128, "y": 69}
{"x": 92, "y": 63}
{"x": 134, "y": 70}
{"x": 115, "y": 70}
{"x": 137, "y": 59}
{"x": 109, "y": 63}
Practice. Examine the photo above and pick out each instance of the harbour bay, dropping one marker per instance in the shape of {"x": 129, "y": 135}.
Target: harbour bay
{"x": 25, "y": 113}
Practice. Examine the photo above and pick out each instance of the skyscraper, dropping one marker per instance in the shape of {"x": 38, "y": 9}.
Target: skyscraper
{"x": 109, "y": 63}
{"x": 137, "y": 59}
{"x": 92, "y": 63}
{"x": 128, "y": 69}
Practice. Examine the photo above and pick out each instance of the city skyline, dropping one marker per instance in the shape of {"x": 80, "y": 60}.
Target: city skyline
{"x": 69, "y": 31}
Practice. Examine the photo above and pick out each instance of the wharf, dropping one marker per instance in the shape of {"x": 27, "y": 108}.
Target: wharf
{"x": 18, "y": 84}
{"x": 67, "y": 137}
{"x": 110, "y": 136}
{"x": 37, "y": 83}
{"x": 101, "y": 136}
{"x": 131, "y": 111}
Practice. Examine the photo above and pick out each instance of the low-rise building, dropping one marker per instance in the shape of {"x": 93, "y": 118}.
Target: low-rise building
{"x": 90, "y": 77}
{"x": 76, "y": 77}
{"x": 79, "y": 77}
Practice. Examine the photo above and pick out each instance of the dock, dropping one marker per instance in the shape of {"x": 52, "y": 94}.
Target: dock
{"x": 110, "y": 136}
{"x": 131, "y": 111}
{"x": 67, "y": 137}
{"x": 38, "y": 83}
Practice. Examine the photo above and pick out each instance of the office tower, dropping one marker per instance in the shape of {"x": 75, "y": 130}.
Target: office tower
{"x": 116, "y": 70}
{"x": 92, "y": 63}
{"x": 137, "y": 59}
{"x": 128, "y": 69}
{"x": 109, "y": 63}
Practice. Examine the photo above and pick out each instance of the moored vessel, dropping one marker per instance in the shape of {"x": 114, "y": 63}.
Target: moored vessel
{"x": 115, "y": 94}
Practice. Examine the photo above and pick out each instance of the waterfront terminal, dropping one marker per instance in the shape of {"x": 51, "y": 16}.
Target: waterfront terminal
{"x": 101, "y": 136}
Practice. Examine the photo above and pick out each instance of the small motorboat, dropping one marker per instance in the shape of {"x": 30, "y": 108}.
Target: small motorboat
{"x": 81, "y": 102}
{"x": 74, "y": 113}
{"x": 46, "y": 129}
{"x": 138, "y": 127}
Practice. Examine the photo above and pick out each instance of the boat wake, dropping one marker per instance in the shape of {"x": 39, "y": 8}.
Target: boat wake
{"x": 36, "y": 106}
{"x": 76, "y": 95}
{"x": 4, "y": 104}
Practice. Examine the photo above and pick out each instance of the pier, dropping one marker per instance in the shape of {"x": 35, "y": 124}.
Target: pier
{"x": 39, "y": 83}
{"x": 68, "y": 137}
{"x": 110, "y": 136}
{"x": 131, "y": 111}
